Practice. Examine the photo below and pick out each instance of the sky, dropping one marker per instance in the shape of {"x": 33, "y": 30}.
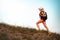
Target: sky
{"x": 25, "y": 13}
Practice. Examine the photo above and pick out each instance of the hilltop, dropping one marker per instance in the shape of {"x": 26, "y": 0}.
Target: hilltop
{"x": 11, "y": 32}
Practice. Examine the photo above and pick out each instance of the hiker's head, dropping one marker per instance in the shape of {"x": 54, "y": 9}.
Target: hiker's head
{"x": 41, "y": 9}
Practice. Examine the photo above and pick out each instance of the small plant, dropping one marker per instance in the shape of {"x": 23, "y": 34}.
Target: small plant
{"x": 3, "y": 36}
{"x": 16, "y": 39}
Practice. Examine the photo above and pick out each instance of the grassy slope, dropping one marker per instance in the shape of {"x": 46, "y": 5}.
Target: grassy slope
{"x": 10, "y": 32}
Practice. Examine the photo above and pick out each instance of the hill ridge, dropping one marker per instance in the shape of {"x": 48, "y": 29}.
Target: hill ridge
{"x": 11, "y": 32}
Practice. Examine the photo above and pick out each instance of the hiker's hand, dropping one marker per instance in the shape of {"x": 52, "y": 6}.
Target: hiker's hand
{"x": 44, "y": 15}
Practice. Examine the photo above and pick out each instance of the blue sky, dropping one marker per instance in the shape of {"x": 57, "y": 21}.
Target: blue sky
{"x": 26, "y": 13}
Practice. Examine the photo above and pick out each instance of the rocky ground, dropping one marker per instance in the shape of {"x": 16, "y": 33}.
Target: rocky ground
{"x": 10, "y": 32}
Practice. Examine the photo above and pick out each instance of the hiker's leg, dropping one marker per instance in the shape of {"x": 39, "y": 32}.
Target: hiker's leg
{"x": 44, "y": 23}
{"x": 38, "y": 24}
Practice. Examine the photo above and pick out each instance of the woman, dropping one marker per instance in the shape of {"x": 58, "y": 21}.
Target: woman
{"x": 43, "y": 18}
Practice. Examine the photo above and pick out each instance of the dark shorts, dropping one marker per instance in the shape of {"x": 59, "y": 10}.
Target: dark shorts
{"x": 44, "y": 19}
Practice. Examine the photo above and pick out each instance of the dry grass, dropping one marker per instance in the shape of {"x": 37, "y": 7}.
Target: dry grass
{"x": 11, "y": 32}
